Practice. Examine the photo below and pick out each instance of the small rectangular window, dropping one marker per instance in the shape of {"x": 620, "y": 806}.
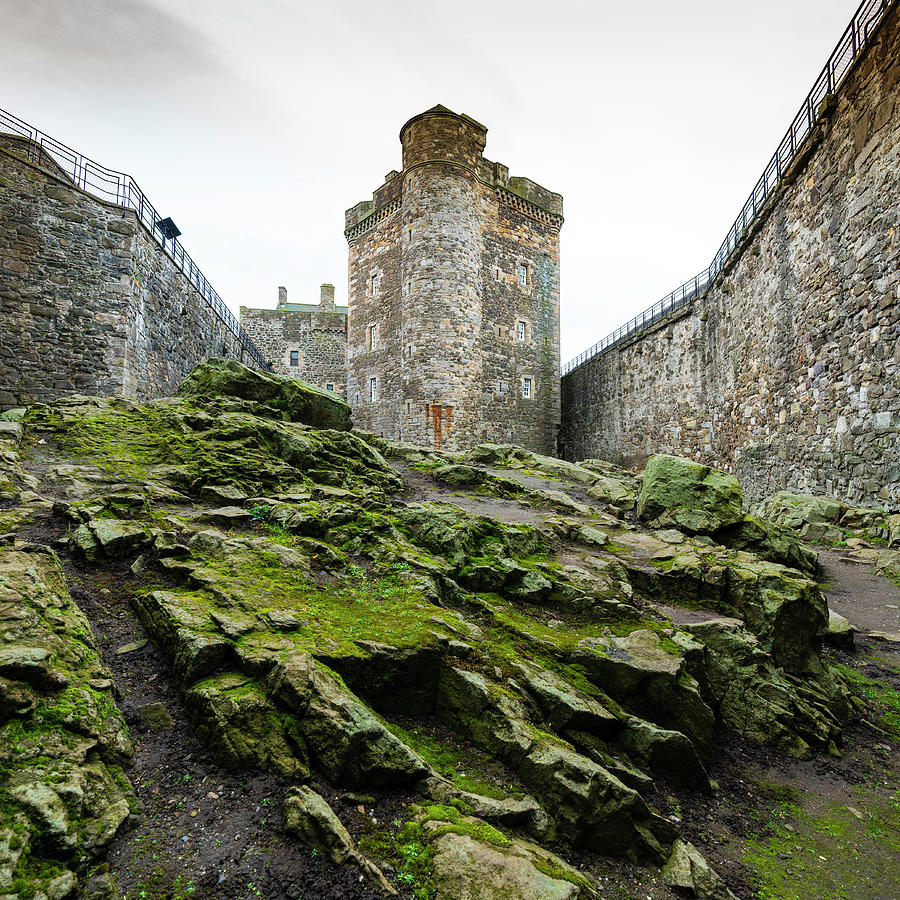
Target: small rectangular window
{"x": 373, "y": 389}
{"x": 329, "y": 386}
{"x": 523, "y": 274}
{"x": 295, "y": 357}
{"x": 520, "y": 330}
{"x": 374, "y": 285}
{"x": 526, "y": 388}
{"x": 373, "y": 337}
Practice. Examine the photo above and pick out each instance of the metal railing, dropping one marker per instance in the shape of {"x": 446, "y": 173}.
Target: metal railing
{"x": 122, "y": 190}
{"x": 850, "y": 46}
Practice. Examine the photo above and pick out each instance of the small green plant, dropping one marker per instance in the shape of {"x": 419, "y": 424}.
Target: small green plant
{"x": 183, "y": 887}
{"x": 260, "y": 512}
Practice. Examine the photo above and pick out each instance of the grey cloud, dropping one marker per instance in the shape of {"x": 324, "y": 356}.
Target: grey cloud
{"x": 134, "y": 39}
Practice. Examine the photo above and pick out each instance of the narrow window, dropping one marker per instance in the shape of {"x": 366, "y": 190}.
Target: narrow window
{"x": 520, "y": 330}
{"x": 499, "y": 331}
{"x": 374, "y": 285}
{"x": 373, "y": 389}
{"x": 409, "y": 407}
{"x": 329, "y": 386}
{"x": 526, "y": 388}
{"x": 373, "y": 337}
{"x": 295, "y": 358}
{"x": 523, "y": 274}
{"x": 409, "y": 351}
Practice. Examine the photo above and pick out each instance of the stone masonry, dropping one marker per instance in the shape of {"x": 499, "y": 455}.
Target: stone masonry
{"x": 303, "y": 340}
{"x": 453, "y": 314}
{"x": 89, "y": 302}
{"x": 787, "y": 370}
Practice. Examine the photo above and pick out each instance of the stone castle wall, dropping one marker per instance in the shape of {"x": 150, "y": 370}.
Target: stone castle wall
{"x": 443, "y": 242}
{"x": 787, "y": 370}
{"x": 89, "y": 302}
{"x": 317, "y": 334}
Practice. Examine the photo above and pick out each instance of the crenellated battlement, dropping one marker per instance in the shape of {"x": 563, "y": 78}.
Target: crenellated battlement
{"x": 441, "y": 136}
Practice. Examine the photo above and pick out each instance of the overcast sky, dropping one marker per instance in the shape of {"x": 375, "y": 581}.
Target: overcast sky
{"x": 256, "y": 124}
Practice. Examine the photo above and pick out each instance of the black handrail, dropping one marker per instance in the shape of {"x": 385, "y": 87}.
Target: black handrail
{"x": 122, "y": 190}
{"x": 852, "y": 43}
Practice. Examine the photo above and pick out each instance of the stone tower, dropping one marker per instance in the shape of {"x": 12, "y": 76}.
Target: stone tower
{"x": 453, "y": 313}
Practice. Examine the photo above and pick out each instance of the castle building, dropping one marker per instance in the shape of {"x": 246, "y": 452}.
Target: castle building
{"x": 303, "y": 340}
{"x": 453, "y": 311}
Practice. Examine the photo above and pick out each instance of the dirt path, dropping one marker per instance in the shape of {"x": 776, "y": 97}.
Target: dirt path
{"x": 869, "y": 601}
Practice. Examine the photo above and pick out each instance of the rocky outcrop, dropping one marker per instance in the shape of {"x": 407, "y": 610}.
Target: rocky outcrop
{"x": 62, "y": 739}
{"x": 687, "y": 495}
{"x": 288, "y": 398}
{"x": 468, "y": 869}
{"x": 829, "y": 521}
{"x": 315, "y": 618}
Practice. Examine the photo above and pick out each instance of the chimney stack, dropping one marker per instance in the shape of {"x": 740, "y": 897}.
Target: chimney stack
{"x": 326, "y": 298}
{"x": 282, "y": 296}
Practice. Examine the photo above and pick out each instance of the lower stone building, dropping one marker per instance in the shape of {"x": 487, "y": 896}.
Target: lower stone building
{"x": 303, "y": 340}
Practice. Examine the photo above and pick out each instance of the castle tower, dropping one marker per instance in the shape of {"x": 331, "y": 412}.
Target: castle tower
{"x": 453, "y": 313}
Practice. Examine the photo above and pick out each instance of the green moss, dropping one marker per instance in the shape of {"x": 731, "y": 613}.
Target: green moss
{"x": 332, "y": 615}
{"x": 408, "y": 847}
{"x": 810, "y": 850}
{"x": 451, "y": 761}
{"x": 207, "y": 446}
{"x": 553, "y": 869}
{"x": 32, "y": 874}
{"x": 458, "y": 823}
{"x": 408, "y": 851}
{"x": 880, "y": 696}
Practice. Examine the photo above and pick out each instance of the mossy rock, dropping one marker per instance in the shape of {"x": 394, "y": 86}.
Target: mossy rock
{"x": 798, "y": 510}
{"x": 754, "y": 697}
{"x": 688, "y": 495}
{"x": 62, "y": 739}
{"x": 770, "y": 541}
{"x": 297, "y": 400}
{"x": 466, "y": 868}
{"x": 233, "y": 716}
